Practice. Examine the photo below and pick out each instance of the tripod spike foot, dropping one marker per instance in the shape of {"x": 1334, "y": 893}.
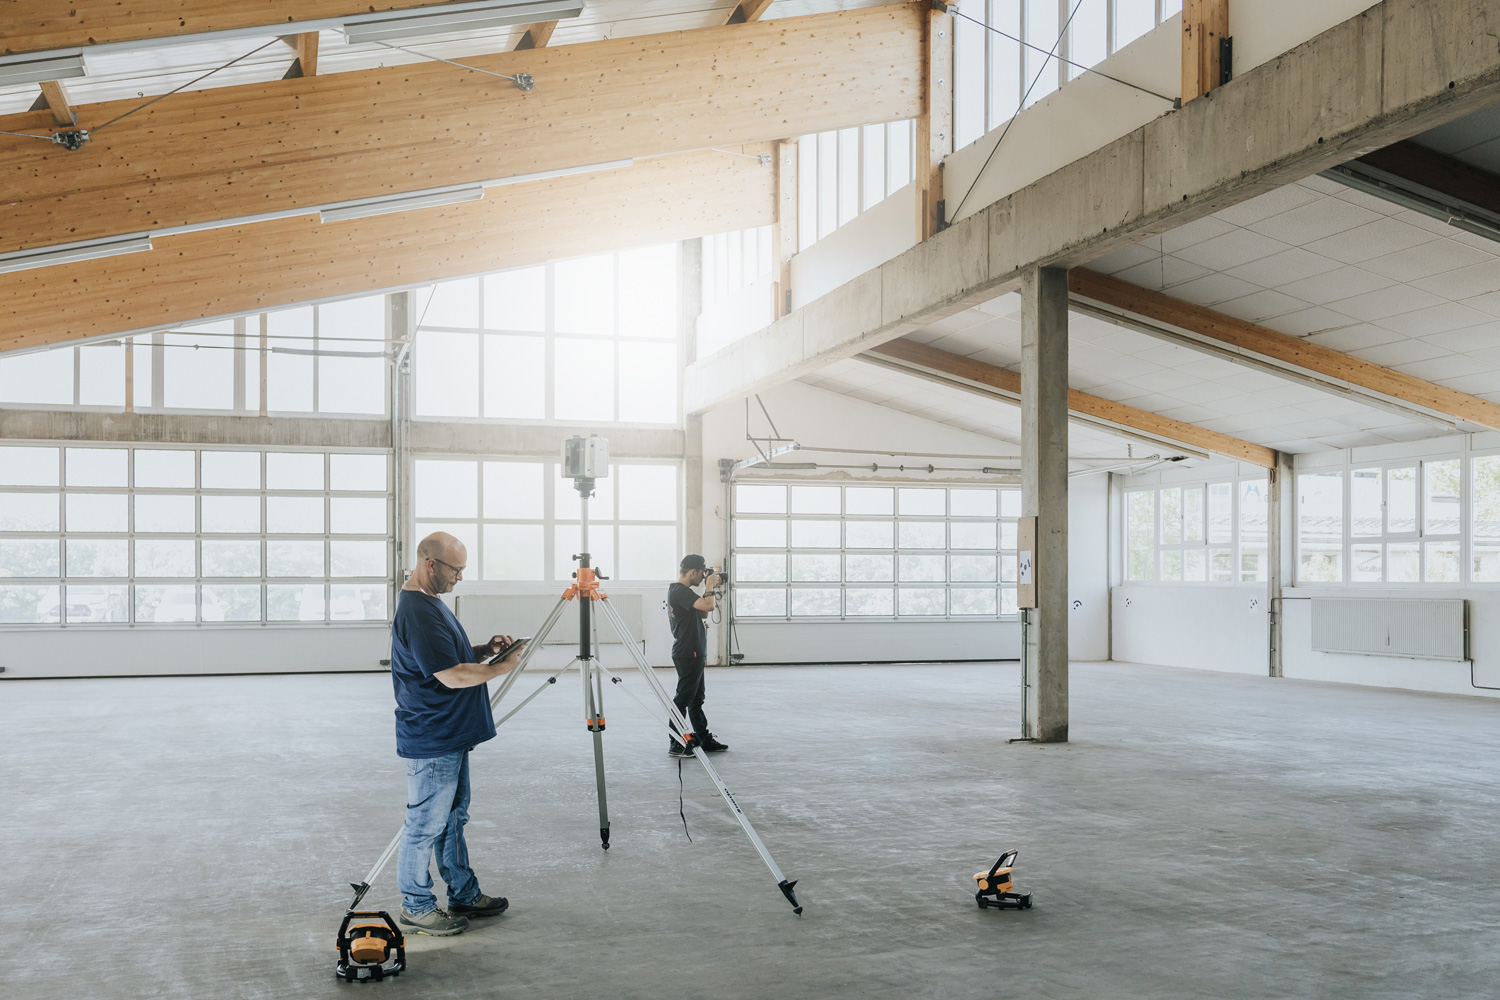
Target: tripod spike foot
{"x": 791, "y": 896}
{"x": 604, "y": 837}
{"x": 360, "y": 888}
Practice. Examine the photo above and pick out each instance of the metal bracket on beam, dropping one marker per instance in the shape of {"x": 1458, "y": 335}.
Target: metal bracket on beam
{"x": 761, "y": 459}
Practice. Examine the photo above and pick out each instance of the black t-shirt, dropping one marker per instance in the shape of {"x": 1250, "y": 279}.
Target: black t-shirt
{"x": 689, "y": 636}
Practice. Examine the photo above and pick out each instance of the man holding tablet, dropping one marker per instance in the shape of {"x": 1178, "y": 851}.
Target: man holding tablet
{"x": 442, "y": 712}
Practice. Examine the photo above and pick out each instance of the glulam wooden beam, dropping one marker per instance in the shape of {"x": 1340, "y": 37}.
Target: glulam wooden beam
{"x": 1293, "y": 352}
{"x": 40, "y": 25}
{"x": 272, "y": 264}
{"x": 1084, "y": 404}
{"x": 536, "y": 36}
{"x": 1205, "y": 24}
{"x": 55, "y": 99}
{"x": 749, "y": 10}
{"x": 230, "y": 152}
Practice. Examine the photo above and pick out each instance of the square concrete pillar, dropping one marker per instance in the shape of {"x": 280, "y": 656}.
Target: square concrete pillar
{"x": 1044, "y": 495}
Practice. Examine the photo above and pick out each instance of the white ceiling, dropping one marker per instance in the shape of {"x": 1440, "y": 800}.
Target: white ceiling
{"x": 119, "y": 75}
{"x": 1315, "y": 260}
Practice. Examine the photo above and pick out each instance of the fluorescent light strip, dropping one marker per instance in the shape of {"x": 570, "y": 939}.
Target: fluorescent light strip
{"x": 404, "y": 203}
{"x": 288, "y": 28}
{"x": 397, "y": 203}
{"x": 72, "y": 253}
{"x": 41, "y": 68}
{"x": 396, "y": 26}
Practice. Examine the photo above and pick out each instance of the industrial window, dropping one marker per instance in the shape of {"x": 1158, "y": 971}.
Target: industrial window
{"x": 521, "y": 522}
{"x": 1394, "y": 522}
{"x": 992, "y": 73}
{"x": 1211, "y": 532}
{"x": 146, "y": 535}
{"x": 587, "y": 340}
{"x": 841, "y": 174}
{"x": 863, "y": 552}
{"x": 328, "y": 359}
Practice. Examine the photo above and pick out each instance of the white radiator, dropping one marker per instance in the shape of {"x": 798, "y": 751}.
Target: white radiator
{"x": 523, "y": 614}
{"x": 1426, "y": 629}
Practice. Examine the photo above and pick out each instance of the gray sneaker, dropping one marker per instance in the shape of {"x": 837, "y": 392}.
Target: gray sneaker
{"x": 437, "y": 923}
{"x": 483, "y": 906}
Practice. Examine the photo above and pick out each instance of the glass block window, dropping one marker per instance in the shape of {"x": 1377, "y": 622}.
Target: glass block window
{"x": 521, "y": 522}
{"x": 97, "y": 534}
{"x": 860, "y": 552}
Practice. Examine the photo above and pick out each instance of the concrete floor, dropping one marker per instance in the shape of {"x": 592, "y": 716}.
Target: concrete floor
{"x": 1205, "y": 835}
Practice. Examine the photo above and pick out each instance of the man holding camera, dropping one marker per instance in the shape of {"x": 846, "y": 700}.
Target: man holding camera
{"x": 686, "y": 612}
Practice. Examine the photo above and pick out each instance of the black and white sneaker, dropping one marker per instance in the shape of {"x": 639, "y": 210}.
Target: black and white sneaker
{"x": 709, "y": 744}
{"x": 678, "y": 750}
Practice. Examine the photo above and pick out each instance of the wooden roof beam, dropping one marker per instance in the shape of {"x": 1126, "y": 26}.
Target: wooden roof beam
{"x": 536, "y": 36}
{"x": 202, "y": 157}
{"x": 1292, "y": 352}
{"x": 267, "y": 265}
{"x": 748, "y": 10}
{"x": 55, "y": 99}
{"x": 1095, "y": 408}
{"x": 43, "y": 25}
{"x": 306, "y": 64}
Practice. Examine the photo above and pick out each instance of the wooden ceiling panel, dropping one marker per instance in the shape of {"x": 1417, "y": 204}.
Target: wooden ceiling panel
{"x": 270, "y": 264}
{"x": 237, "y": 151}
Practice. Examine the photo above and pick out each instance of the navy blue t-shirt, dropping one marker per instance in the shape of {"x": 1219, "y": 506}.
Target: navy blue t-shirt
{"x": 432, "y": 719}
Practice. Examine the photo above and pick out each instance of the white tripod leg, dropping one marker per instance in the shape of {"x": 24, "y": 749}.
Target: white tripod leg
{"x": 644, "y": 666}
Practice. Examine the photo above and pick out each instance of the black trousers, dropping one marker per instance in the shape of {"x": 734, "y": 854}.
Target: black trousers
{"x": 689, "y": 698}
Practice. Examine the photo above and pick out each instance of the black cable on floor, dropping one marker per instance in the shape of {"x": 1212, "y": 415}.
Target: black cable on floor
{"x": 680, "y": 811}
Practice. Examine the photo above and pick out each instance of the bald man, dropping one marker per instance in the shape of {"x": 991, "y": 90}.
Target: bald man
{"x": 442, "y": 712}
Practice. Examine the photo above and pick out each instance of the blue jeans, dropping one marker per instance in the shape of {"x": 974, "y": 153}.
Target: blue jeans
{"x": 437, "y": 807}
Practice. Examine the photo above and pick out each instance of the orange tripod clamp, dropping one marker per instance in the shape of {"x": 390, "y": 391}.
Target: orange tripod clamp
{"x": 587, "y": 586}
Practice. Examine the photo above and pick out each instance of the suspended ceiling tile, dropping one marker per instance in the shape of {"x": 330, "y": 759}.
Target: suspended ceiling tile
{"x": 1234, "y": 423}
{"x": 1244, "y": 403}
{"x": 1399, "y": 353}
{"x": 1268, "y": 205}
{"x": 1118, "y": 260}
{"x": 1161, "y": 272}
{"x": 1316, "y": 220}
{"x": 1465, "y": 282}
{"x": 1191, "y": 413}
{"x": 1435, "y": 319}
{"x": 1282, "y": 268}
{"x": 1385, "y": 302}
{"x": 1289, "y": 393}
{"x": 1321, "y": 185}
{"x": 1087, "y": 381}
{"x": 1374, "y": 240}
{"x": 1124, "y": 368}
{"x": 1261, "y": 305}
{"x": 1169, "y": 355}
{"x": 1008, "y": 304}
{"x": 1340, "y": 283}
{"x": 1473, "y": 338}
{"x": 1001, "y": 356}
{"x": 1480, "y": 383}
{"x": 1426, "y": 260}
{"x": 1211, "y": 289}
{"x": 1250, "y": 380}
{"x": 1437, "y": 369}
{"x": 1199, "y": 393}
{"x": 1193, "y": 233}
{"x": 1211, "y": 368}
{"x": 1488, "y": 302}
{"x": 1306, "y": 322}
{"x": 1354, "y": 338}
{"x": 1367, "y": 201}
{"x": 1165, "y": 380}
{"x": 1231, "y": 250}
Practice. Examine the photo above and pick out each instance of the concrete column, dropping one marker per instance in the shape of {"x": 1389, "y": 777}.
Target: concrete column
{"x": 1280, "y": 552}
{"x": 1044, "y": 495}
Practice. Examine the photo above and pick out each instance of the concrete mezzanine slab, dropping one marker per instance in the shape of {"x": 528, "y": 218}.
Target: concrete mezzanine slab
{"x": 1204, "y": 835}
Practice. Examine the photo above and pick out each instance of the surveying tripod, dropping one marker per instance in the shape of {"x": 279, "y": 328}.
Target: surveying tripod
{"x": 585, "y": 590}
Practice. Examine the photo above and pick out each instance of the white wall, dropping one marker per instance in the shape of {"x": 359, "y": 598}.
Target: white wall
{"x": 1203, "y": 626}
{"x": 1302, "y": 661}
{"x": 886, "y": 230}
{"x": 168, "y": 649}
{"x": 1088, "y": 567}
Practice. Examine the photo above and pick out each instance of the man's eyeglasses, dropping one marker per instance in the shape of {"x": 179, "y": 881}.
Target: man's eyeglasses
{"x": 457, "y": 569}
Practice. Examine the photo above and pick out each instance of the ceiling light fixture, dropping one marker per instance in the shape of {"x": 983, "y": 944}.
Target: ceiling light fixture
{"x": 34, "y": 68}
{"x": 22, "y": 260}
{"x": 367, "y": 207}
{"x": 396, "y": 26}
{"x": 1420, "y": 199}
